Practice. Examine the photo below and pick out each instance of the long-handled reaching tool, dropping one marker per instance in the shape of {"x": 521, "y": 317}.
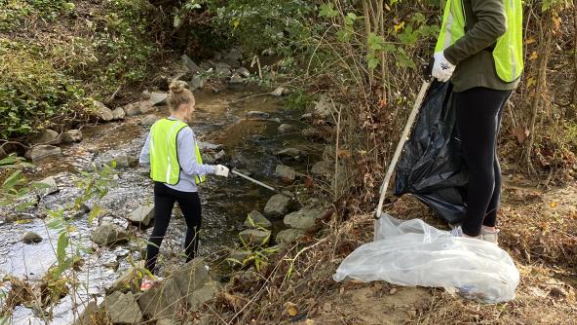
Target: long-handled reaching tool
{"x": 253, "y": 180}
{"x": 404, "y": 136}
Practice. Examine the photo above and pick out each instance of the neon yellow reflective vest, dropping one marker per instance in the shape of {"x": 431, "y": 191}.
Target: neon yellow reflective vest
{"x": 508, "y": 51}
{"x": 164, "y": 165}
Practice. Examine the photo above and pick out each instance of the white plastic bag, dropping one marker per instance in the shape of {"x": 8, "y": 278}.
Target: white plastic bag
{"x": 412, "y": 253}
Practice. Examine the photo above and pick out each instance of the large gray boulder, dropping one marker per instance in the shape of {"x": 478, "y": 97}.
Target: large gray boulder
{"x": 255, "y": 237}
{"x": 285, "y": 173}
{"x": 291, "y": 153}
{"x": 42, "y": 151}
{"x": 122, "y": 308}
{"x": 280, "y": 92}
{"x": 138, "y": 108}
{"x": 305, "y": 219}
{"x": 143, "y": 214}
{"x": 72, "y": 136}
{"x": 289, "y": 236}
{"x": 243, "y": 72}
{"x": 46, "y": 186}
{"x": 258, "y": 220}
{"x": 204, "y": 294}
{"x": 48, "y": 136}
{"x": 197, "y": 82}
{"x": 277, "y": 206}
{"x": 149, "y": 120}
{"x": 109, "y": 234}
{"x": 102, "y": 112}
{"x": 233, "y": 58}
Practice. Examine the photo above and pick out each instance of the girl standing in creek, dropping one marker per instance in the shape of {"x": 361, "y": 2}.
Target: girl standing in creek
{"x": 176, "y": 168}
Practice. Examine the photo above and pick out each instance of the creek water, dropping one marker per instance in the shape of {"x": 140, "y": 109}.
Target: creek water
{"x": 249, "y": 144}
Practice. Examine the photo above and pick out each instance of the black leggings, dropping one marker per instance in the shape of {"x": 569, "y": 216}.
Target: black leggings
{"x": 164, "y": 198}
{"x": 479, "y": 112}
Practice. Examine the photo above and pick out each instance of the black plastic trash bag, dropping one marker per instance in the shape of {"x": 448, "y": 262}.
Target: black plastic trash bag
{"x": 432, "y": 167}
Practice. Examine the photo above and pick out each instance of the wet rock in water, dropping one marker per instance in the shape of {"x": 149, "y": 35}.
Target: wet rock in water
{"x": 285, "y": 173}
{"x": 48, "y": 137}
{"x": 323, "y": 107}
{"x": 122, "y": 308}
{"x": 236, "y": 79}
{"x": 258, "y": 220}
{"x": 118, "y": 114}
{"x": 243, "y": 72}
{"x": 46, "y": 186}
{"x": 72, "y": 136}
{"x": 197, "y": 82}
{"x": 277, "y": 206}
{"x": 289, "y": 236}
{"x": 323, "y": 169}
{"x": 191, "y": 65}
{"x": 285, "y": 128}
{"x": 257, "y": 114}
{"x": 129, "y": 281}
{"x": 91, "y": 315}
{"x": 158, "y": 98}
{"x": 108, "y": 234}
{"x": 233, "y": 58}
{"x": 143, "y": 214}
{"x": 292, "y": 153}
{"x": 149, "y": 120}
{"x": 255, "y": 237}
{"x": 42, "y": 151}
{"x": 280, "y": 92}
{"x": 102, "y": 112}
{"x": 319, "y": 133}
{"x": 305, "y": 219}
{"x": 31, "y": 238}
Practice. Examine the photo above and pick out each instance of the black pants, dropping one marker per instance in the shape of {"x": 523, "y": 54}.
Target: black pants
{"x": 164, "y": 198}
{"x": 479, "y": 113}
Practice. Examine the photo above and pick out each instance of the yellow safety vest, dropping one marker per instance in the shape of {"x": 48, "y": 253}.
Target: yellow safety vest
{"x": 164, "y": 165}
{"x": 508, "y": 52}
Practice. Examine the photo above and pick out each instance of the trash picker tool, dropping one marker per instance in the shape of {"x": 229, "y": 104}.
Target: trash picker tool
{"x": 253, "y": 180}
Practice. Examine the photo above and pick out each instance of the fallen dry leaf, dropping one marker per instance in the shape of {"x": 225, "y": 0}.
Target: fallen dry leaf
{"x": 291, "y": 309}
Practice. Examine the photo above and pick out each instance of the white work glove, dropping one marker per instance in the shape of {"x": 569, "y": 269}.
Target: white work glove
{"x": 442, "y": 69}
{"x": 221, "y": 170}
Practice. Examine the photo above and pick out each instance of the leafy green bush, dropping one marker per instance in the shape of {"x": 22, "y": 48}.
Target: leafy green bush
{"x": 31, "y": 91}
{"x": 14, "y": 12}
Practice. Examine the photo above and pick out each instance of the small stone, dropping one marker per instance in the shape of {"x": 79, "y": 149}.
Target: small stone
{"x": 149, "y": 120}
{"x": 258, "y": 220}
{"x": 31, "y": 238}
{"x": 277, "y": 206}
{"x": 286, "y": 173}
{"x": 72, "y": 136}
{"x": 223, "y": 69}
{"x": 285, "y": 128}
{"x": 122, "y": 308}
{"x": 257, "y": 114}
{"x": 289, "y": 153}
{"x": 102, "y": 112}
{"x": 47, "y": 186}
{"x": 236, "y": 79}
{"x": 138, "y": 108}
{"x": 323, "y": 169}
{"x": 243, "y": 72}
{"x": 255, "y": 237}
{"x": 307, "y": 116}
{"x": 143, "y": 214}
{"x": 191, "y": 65}
{"x": 323, "y": 107}
{"x": 280, "y": 92}
{"x": 48, "y": 137}
{"x": 118, "y": 114}
{"x": 305, "y": 219}
{"x": 145, "y": 95}
{"x": 233, "y": 58}
{"x": 109, "y": 234}
{"x": 289, "y": 236}
{"x": 158, "y": 98}
{"x": 42, "y": 151}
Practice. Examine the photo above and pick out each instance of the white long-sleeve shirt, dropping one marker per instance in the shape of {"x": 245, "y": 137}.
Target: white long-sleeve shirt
{"x": 189, "y": 168}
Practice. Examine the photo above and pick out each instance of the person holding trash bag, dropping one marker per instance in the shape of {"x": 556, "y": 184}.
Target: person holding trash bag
{"x": 480, "y": 49}
{"x": 176, "y": 168}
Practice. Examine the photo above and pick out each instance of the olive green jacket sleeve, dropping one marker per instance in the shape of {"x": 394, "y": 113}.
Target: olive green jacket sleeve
{"x": 490, "y": 25}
